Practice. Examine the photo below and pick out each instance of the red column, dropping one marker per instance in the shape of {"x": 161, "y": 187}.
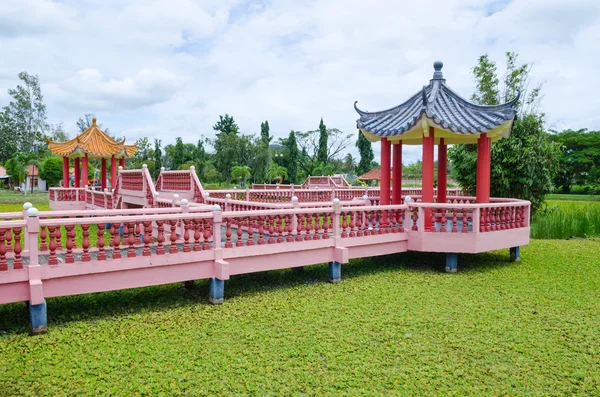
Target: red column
{"x": 122, "y": 162}
{"x": 384, "y": 188}
{"x": 483, "y": 169}
{"x": 397, "y": 174}
{"x": 77, "y": 173}
{"x": 84, "y": 171}
{"x": 65, "y": 171}
{"x": 113, "y": 172}
{"x": 442, "y": 171}
{"x": 427, "y": 179}
{"x": 103, "y": 172}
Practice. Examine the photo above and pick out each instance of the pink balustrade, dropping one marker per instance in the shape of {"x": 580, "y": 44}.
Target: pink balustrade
{"x": 132, "y": 180}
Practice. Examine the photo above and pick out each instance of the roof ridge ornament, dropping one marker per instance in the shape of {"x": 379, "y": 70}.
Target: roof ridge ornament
{"x": 437, "y": 75}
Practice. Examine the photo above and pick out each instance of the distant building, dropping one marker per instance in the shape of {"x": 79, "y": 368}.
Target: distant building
{"x": 33, "y": 177}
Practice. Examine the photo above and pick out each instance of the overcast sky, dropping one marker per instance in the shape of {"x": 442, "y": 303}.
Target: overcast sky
{"x": 169, "y": 68}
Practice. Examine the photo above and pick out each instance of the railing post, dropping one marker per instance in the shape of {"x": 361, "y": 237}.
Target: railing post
{"x": 185, "y": 208}
{"x": 295, "y": 205}
{"x": 175, "y": 198}
{"x": 336, "y": 217}
{"x": 527, "y": 214}
{"x": 421, "y": 219}
{"x": 105, "y": 200}
{"x": 217, "y": 220}
{"x": 37, "y": 304}
{"x": 227, "y": 200}
{"x": 26, "y": 207}
{"x": 476, "y": 215}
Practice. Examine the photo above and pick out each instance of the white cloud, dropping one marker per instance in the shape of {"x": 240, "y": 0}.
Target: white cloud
{"x": 169, "y": 68}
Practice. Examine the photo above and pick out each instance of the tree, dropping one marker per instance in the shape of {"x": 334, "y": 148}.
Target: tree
{"x": 240, "y": 172}
{"x": 349, "y": 163}
{"x": 365, "y": 150}
{"x": 179, "y": 155}
{"x": 322, "y": 156}
{"x": 323, "y": 169}
{"x": 579, "y": 160}
{"x": 277, "y": 171}
{"x": 25, "y": 115}
{"x": 85, "y": 122}
{"x": 8, "y": 139}
{"x": 291, "y": 155}
{"x": 309, "y": 141}
{"x": 51, "y": 170}
{"x": 17, "y": 166}
{"x": 525, "y": 164}
{"x": 200, "y": 157}
{"x": 157, "y": 157}
{"x": 264, "y": 132}
{"x": 226, "y": 124}
{"x": 226, "y": 145}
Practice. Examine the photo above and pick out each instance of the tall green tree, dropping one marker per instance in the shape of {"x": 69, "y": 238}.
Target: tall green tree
{"x": 179, "y": 157}
{"x": 264, "y": 132}
{"x": 322, "y": 152}
{"x": 241, "y": 172}
{"x": 226, "y": 124}
{"x": 157, "y": 157}
{"x": 365, "y": 150}
{"x": 291, "y": 156}
{"x": 226, "y": 145}
{"x": 525, "y": 164}
{"x": 310, "y": 144}
{"x": 200, "y": 156}
{"x": 9, "y": 142}
{"x": 25, "y": 115}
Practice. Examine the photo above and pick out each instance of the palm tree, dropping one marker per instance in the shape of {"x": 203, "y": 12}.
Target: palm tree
{"x": 240, "y": 171}
{"x": 277, "y": 171}
{"x": 323, "y": 169}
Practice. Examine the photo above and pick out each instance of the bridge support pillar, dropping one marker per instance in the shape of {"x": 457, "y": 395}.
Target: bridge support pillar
{"x": 515, "y": 254}
{"x": 216, "y": 291}
{"x": 38, "y": 318}
{"x": 451, "y": 263}
{"x": 335, "y": 272}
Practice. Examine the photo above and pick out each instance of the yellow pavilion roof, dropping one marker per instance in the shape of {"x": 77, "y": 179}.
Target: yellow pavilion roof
{"x": 94, "y": 142}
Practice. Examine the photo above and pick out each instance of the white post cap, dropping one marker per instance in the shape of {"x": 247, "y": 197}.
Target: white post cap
{"x": 27, "y": 206}
{"x": 32, "y": 212}
{"x": 216, "y": 207}
{"x": 184, "y": 202}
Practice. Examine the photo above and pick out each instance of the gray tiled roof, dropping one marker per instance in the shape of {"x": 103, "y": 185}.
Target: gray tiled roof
{"x": 440, "y": 104}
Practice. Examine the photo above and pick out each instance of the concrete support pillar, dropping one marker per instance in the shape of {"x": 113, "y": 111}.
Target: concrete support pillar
{"x": 397, "y": 174}
{"x": 38, "y": 318}
{"x": 384, "y": 187}
{"x": 113, "y": 172}
{"x": 216, "y": 291}
{"x": 84, "y": 171}
{"x": 103, "y": 174}
{"x": 483, "y": 169}
{"x": 442, "y": 171}
{"x": 335, "y": 272}
{"x": 451, "y": 263}
{"x": 515, "y": 254}
{"x": 77, "y": 172}
{"x": 65, "y": 171}
{"x": 427, "y": 179}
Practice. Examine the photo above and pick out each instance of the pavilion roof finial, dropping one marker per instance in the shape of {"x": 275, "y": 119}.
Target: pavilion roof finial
{"x": 94, "y": 121}
{"x": 437, "y": 75}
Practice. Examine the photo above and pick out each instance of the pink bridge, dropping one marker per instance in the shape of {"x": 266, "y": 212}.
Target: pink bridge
{"x": 146, "y": 233}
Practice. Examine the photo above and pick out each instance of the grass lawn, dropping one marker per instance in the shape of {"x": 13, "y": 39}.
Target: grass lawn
{"x": 395, "y": 325}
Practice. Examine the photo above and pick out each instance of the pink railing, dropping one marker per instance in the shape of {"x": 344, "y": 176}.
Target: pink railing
{"x": 132, "y": 180}
{"x": 177, "y": 181}
{"x": 66, "y": 194}
{"x": 466, "y": 216}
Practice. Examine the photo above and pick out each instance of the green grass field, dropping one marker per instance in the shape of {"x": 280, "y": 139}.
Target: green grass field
{"x": 395, "y": 325}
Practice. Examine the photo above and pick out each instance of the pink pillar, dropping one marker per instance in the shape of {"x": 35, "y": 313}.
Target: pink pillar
{"x": 77, "y": 173}
{"x": 427, "y": 179}
{"x": 397, "y": 174}
{"x": 442, "y": 171}
{"x": 65, "y": 171}
{"x": 483, "y": 169}
{"x": 122, "y": 162}
{"x": 384, "y": 187}
{"x": 113, "y": 172}
{"x": 84, "y": 171}
{"x": 103, "y": 172}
